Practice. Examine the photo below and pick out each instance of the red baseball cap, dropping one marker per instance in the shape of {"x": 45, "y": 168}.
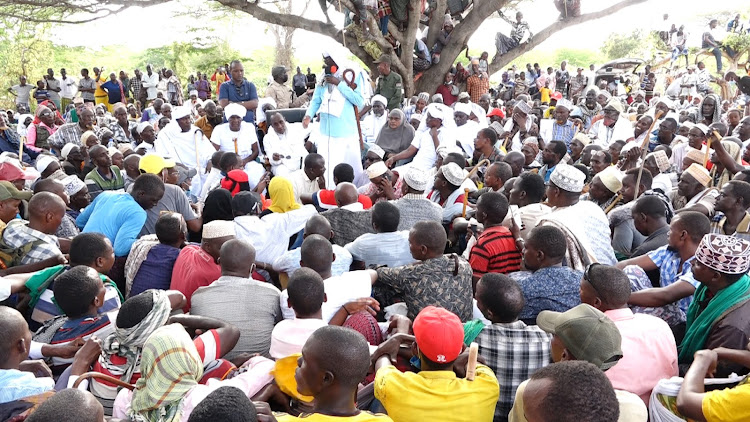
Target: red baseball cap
{"x": 439, "y": 334}
{"x": 556, "y": 95}
{"x": 496, "y": 112}
{"x": 10, "y": 172}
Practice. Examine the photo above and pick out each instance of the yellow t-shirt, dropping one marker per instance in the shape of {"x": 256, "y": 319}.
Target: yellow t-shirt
{"x": 99, "y": 92}
{"x": 317, "y": 417}
{"x": 437, "y": 395}
{"x": 545, "y": 94}
{"x": 730, "y": 404}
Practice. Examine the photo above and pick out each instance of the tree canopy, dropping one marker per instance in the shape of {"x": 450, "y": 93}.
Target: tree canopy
{"x": 268, "y": 11}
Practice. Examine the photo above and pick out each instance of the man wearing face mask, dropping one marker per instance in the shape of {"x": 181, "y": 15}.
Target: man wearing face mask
{"x": 285, "y": 96}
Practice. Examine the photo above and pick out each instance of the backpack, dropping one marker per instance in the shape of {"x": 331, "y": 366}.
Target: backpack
{"x": 10, "y": 256}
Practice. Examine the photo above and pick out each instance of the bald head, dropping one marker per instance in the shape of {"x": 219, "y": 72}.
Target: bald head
{"x": 52, "y": 186}
{"x": 237, "y": 258}
{"x": 13, "y": 329}
{"x": 316, "y": 253}
{"x": 317, "y": 224}
{"x": 345, "y": 194}
{"x": 45, "y": 203}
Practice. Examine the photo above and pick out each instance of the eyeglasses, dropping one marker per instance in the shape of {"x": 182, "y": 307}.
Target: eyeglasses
{"x": 587, "y": 272}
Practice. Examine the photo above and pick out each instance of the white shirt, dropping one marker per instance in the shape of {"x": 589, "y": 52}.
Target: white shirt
{"x": 516, "y": 143}
{"x": 371, "y": 126}
{"x": 339, "y": 290}
{"x": 426, "y": 157}
{"x": 466, "y": 134}
{"x": 68, "y": 88}
{"x": 191, "y": 149}
{"x": 302, "y": 184}
{"x": 391, "y": 249}
{"x": 290, "y": 335}
{"x": 689, "y": 79}
{"x": 288, "y": 144}
{"x": 150, "y": 83}
{"x": 603, "y": 136}
{"x": 213, "y": 179}
{"x": 269, "y": 235}
{"x": 240, "y": 142}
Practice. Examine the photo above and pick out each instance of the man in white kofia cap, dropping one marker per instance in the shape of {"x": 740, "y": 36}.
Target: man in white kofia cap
{"x": 581, "y": 221}
{"x": 184, "y": 143}
{"x": 239, "y": 137}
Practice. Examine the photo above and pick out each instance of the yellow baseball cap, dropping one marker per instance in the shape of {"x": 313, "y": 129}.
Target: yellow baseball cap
{"x": 154, "y": 164}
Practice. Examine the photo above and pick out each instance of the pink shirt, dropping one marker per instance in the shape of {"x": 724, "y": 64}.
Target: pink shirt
{"x": 193, "y": 268}
{"x": 256, "y": 376}
{"x": 649, "y": 353}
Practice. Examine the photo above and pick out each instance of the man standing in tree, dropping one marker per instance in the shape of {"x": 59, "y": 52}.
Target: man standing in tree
{"x": 389, "y": 83}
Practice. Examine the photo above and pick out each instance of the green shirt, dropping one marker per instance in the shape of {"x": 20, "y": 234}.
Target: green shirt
{"x": 392, "y": 88}
{"x": 97, "y": 184}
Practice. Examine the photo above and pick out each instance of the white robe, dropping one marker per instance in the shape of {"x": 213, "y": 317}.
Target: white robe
{"x": 290, "y": 144}
{"x": 371, "y": 126}
{"x": 466, "y": 134}
{"x": 225, "y": 139}
{"x": 603, "y": 136}
{"x": 191, "y": 149}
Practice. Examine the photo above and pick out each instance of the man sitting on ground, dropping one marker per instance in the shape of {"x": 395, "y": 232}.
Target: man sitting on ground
{"x": 650, "y": 215}
{"x": 586, "y": 334}
{"x": 438, "y": 279}
{"x": 571, "y": 392}
{"x": 332, "y": 375}
{"x": 512, "y": 349}
{"x": 250, "y": 305}
{"x": 79, "y": 293}
{"x": 435, "y": 392}
{"x": 413, "y": 206}
{"x": 676, "y": 283}
{"x": 732, "y": 217}
{"x": 306, "y": 297}
{"x": 34, "y": 240}
{"x": 527, "y": 193}
{"x": 551, "y": 286}
{"x": 387, "y": 246}
{"x": 92, "y": 250}
{"x": 718, "y": 314}
{"x": 317, "y": 224}
{"x": 325, "y": 199}
{"x": 150, "y": 262}
{"x": 648, "y": 345}
{"x": 105, "y": 176}
{"x": 317, "y": 254}
{"x": 198, "y": 265}
{"x": 348, "y": 221}
{"x": 495, "y": 250}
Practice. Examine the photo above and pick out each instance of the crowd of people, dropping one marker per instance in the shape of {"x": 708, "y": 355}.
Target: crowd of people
{"x": 332, "y": 250}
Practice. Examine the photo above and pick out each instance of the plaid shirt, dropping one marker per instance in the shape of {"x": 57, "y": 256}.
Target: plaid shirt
{"x": 476, "y": 87}
{"x": 18, "y": 233}
{"x": 563, "y": 132}
{"x": 69, "y": 133}
{"x": 670, "y": 271}
{"x": 135, "y": 85}
{"x": 514, "y": 351}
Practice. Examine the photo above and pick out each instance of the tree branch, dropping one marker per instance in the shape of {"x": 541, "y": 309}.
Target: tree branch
{"x": 498, "y": 62}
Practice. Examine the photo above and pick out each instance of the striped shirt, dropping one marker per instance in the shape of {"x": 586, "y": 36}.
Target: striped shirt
{"x": 495, "y": 252}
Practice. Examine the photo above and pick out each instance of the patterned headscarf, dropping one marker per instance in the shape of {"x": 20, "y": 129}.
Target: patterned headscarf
{"x": 716, "y": 117}
{"x": 170, "y": 367}
{"x": 128, "y": 342}
{"x": 281, "y": 192}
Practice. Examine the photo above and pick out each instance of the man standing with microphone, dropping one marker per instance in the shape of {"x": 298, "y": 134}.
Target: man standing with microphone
{"x": 338, "y": 137}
